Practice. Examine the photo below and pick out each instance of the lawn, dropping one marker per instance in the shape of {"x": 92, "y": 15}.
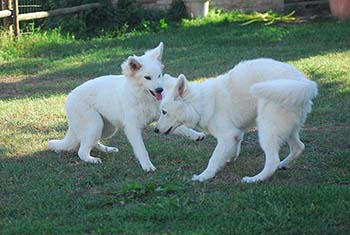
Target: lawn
{"x": 42, "y": 192}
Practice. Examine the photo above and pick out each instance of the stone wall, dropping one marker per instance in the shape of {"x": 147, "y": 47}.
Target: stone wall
{"x": 159, "y": 4}
{"x": 248, "y": 5}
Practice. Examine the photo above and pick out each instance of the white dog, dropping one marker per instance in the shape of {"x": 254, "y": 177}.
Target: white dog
{"x": 272, "y": 95}
{"x": 99, "y": 107}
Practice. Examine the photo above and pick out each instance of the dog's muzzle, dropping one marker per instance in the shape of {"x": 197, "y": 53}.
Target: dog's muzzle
{"x": 157, "y": 93}
{"x": 168, "y": 131}
{"x": 159, "y": 90}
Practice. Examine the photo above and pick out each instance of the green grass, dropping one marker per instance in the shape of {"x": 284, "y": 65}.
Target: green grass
{"x": 42, "y": 192}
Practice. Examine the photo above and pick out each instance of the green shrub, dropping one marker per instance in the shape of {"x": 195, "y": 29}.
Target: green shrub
{"x": 177, "y": 11}
{"x": 126, "y": 16}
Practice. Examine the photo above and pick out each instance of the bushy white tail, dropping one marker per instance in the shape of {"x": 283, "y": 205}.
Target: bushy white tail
{"x": 68, "y": 143}
{"x": 286, "y": 91}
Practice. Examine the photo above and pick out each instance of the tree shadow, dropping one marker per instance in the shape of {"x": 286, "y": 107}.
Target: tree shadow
{"x": 203, "y": 51}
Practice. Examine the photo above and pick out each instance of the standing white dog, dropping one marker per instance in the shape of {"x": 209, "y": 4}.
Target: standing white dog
{"x": 99, "y": 107}
{"x": 272, "y": 95}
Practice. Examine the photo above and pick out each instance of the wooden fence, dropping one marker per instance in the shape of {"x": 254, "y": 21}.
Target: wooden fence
{"x": 10, "y": 16}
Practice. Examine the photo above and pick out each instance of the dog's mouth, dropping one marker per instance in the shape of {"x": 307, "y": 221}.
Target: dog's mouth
{"x": 168, "y": 131}
{"x": 157, "y": 95}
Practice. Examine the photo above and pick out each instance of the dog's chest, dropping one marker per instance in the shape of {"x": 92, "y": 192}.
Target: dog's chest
{"x": 146, "y": 111}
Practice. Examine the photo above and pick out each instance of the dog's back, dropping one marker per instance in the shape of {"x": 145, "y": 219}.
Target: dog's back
{"x": 247, "y": 73}
{"x": 102, "y": 94}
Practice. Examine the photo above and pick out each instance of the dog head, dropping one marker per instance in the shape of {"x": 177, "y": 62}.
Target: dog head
{"x": 174, "y": 110}
{"x": 146, "y": 71}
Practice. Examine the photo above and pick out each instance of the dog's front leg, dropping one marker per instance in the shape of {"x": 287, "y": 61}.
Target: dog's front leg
{"x": 190, "y": 133}
{"x": 135, "y": 138}
{"x": 223, "y": 150}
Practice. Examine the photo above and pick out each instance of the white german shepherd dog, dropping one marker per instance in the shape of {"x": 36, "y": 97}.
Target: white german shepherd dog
{"x": 271, "y": 95}
{"x": 99, "y": 107}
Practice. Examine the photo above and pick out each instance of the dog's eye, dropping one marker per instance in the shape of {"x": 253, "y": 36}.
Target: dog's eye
{"x": 164, "y": 112}
{"x": 148, "y": 77}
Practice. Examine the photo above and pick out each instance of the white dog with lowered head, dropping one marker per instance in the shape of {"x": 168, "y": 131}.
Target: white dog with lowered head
{"x": 99, "y": 107}
{"x": 272, "y": 95}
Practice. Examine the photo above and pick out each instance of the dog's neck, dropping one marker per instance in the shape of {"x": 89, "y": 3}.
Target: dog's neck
{"x": 139, "y": 91}
{"x": 194, "y": 106}
{"x": 201, "y": 100}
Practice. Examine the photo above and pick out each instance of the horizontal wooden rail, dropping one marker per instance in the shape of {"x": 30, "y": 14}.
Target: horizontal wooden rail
{"x": 5, "y": 13}
{"x": 61, "y": 11}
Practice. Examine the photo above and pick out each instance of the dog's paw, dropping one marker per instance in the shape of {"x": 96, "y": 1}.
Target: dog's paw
{"x": 93, "y": 160}
{"x": 196, "y": 178}
{"x": 52, "y": 146}
{"x": 282, "y": 167}
{"x": 200, "y": 137}
{"x": 149, "y": 168}
{"x": 234, "y": 158}
{"x": 250, "y": 180}
{"x": 202, "y": 177}
{"x": 112, "y": 150}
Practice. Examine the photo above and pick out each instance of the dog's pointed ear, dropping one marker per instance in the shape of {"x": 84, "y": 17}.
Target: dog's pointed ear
{"x": 134, "y": 64}
{"x": 181, "y": 86}
{"x": 157, "y": 52}
{"x": 131, "y": 66}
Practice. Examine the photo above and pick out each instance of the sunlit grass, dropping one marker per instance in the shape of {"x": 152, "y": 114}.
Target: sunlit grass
{"x": 28, "y": 123}
{"x": 218, "y": 16}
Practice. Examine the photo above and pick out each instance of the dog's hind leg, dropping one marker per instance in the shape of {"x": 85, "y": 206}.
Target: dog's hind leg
{"x": 270, "y": 144}
{"x": 68, "y": 143}
{"x": 89, "y": 135}
{"x": 238, "y": 151}
{"x": 107, "y": 132}
{"x": 296, "y": 148}
{"x": 190, "y": 133}
{"x": 237, "y": 141}
{"x": 276, "y": 124}
{"x": 271, "y": 164}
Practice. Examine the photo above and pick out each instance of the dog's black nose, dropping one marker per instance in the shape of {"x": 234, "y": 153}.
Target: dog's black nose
{"x": 156, "y": 130}
{"x": 159, "y": 90}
